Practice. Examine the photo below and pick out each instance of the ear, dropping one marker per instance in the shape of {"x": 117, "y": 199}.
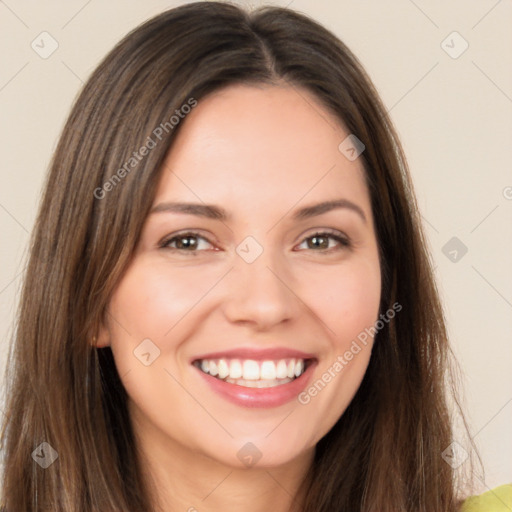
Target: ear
{"x": 102, "y": 337}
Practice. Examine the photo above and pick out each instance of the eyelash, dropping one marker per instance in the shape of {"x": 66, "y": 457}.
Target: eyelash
{"x": 343, "y": 241}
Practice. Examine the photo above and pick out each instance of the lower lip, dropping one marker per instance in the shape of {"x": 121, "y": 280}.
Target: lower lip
{"x": 260, "y": 397}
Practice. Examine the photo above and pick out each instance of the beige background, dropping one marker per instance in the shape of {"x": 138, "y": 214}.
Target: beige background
{"x": 454, "y": 116}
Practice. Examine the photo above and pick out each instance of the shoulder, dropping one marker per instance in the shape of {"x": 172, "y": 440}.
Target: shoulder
{"x": 495, "y": 500}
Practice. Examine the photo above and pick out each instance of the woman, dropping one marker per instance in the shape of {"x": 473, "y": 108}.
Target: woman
{"x": 229, "y": 303}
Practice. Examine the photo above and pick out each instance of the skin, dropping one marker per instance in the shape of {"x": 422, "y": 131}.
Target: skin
{"x": 260, "y": 153}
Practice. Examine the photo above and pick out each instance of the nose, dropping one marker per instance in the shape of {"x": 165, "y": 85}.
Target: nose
{"x": 260, "y": 294}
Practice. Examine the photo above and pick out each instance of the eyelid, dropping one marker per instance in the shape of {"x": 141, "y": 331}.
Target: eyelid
{"x": 323, "y": 231}
{"x": 339, "y": 236}
{"x": 183, "y": 234}
{"x": 343, "y": 240}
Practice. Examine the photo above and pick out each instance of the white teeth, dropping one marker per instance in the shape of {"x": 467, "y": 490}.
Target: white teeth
{"x": 235, "y": 369}
{"x": 268, "y": 370}
{"x": 267, "y": 373}
{"x": 251, "y": 370}
{"x": 223, "y": 369}
{"x": 213, "y": 368}
{"x": 299, "y": 367}
{"x": 259, "y": 383}
{"x": 291, "y": 369}
{"x": 281, "y": 370}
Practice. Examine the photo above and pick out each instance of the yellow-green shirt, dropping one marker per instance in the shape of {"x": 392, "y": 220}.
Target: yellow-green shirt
{"x": 495, "y": 500}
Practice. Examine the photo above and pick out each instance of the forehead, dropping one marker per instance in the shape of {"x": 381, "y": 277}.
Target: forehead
{"x": 260, "y": 143}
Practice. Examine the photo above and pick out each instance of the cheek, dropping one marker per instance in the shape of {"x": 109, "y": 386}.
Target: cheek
{"x": 347, "y": 298}
{"x": 157, "y": 303}
{"x": 348, "y": 306}
{"x": 150, "y": 300}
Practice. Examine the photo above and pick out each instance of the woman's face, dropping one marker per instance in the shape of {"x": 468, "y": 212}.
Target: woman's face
{"x": 256, "y": 281}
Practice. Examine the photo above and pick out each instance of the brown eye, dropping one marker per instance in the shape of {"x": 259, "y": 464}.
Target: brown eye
{"x": 321, "y": 241}
{"x": 189, "y": 242}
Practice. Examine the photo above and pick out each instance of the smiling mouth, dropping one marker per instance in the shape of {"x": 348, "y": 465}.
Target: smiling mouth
{"x": 250, "y": 373}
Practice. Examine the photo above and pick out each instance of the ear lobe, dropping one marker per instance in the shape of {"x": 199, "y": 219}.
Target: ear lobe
{"x": 102, "y": 339}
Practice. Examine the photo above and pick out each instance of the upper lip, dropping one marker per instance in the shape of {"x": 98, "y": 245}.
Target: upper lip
{"x": 256, "y": 354}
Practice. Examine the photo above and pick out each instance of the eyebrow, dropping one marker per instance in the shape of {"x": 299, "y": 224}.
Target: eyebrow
{"x": 211, "y": 211}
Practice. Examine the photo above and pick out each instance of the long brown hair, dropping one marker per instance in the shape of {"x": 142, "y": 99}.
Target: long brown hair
{"x": 385, "y": 452}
